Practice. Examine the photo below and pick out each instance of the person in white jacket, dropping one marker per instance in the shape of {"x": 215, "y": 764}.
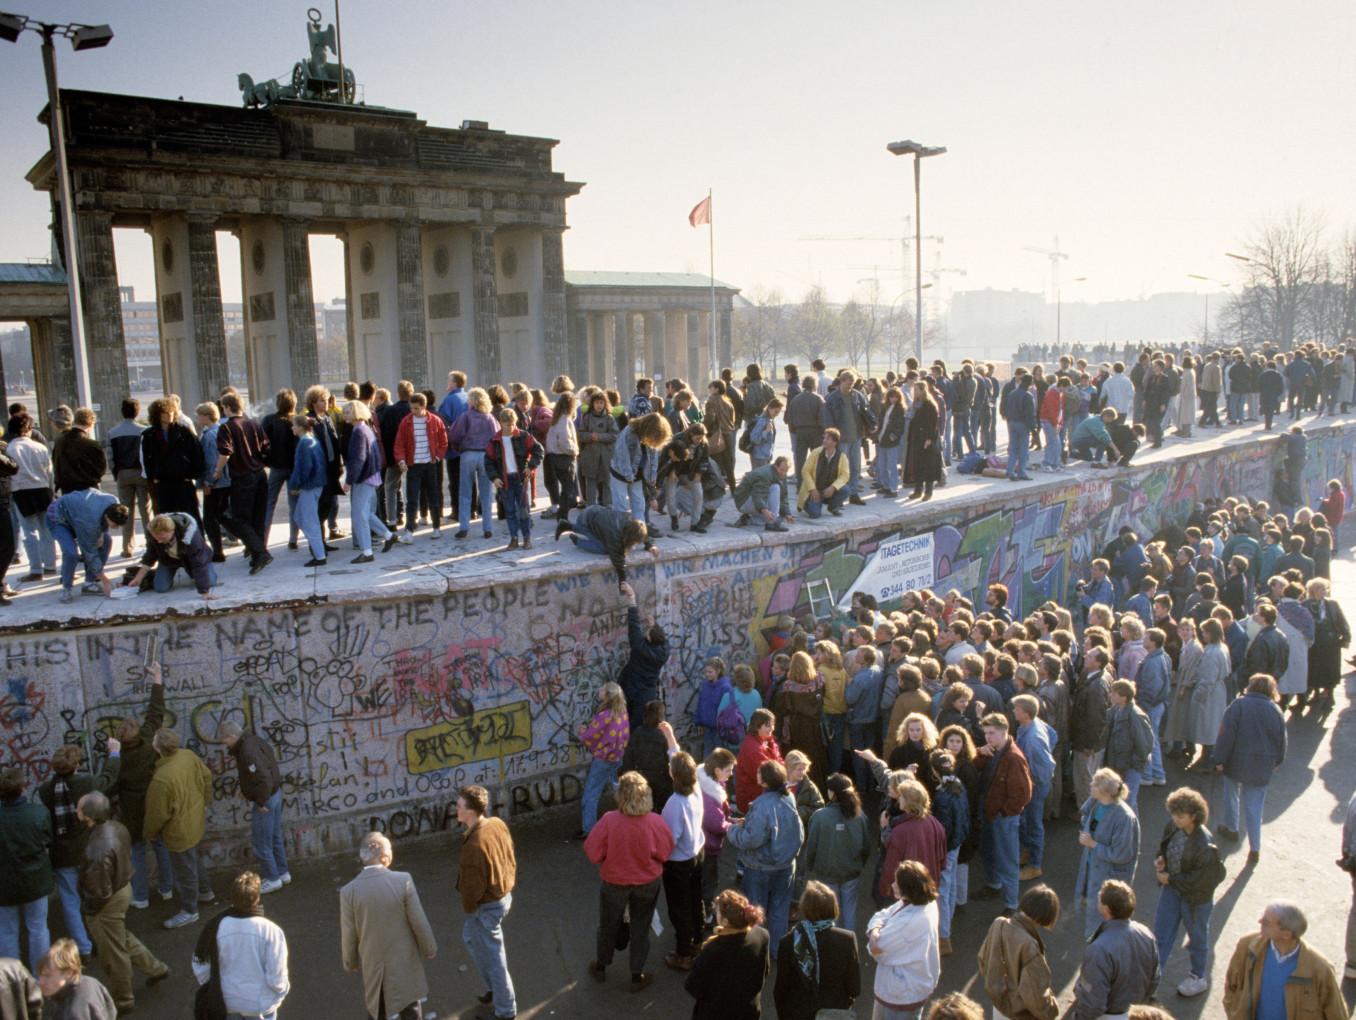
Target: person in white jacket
{"x": 251, "y": 954}
{"x": 903, "y": 941}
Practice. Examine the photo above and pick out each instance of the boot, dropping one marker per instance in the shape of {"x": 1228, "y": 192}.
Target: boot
{"x": 743, "y": 520}
{"x": 562, "y": 527}
{"x": 673, "y": 523}
{"x": 927, "y": 492}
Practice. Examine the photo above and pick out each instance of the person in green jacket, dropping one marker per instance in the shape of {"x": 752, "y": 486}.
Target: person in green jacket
{"x": 763, "y": 491}
{"x": 25, "y": 841}
{"x": 176, "y": 806}
{"x": 129, "y": 792}
{"x": 60, "y": 795}
{"x": 838, "y": 845}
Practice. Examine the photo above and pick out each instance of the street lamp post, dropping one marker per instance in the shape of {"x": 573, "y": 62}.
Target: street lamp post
{"x": 1205, "y": 329}
{"x": 82, "y": 37}
{"x": 918, "y": 152}
{"x": 1059, "y": 310}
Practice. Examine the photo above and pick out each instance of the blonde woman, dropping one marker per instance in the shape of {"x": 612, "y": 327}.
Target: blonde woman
{"x": 916, "y": 835}
{"x": 829, "y": 660}
{"x": 364, "y": 479}
{"x": 605, "y": 738}
{"x": 796, "y": 705}
{"x": 469, "y": 438}
{"x": 1109, "y": 834}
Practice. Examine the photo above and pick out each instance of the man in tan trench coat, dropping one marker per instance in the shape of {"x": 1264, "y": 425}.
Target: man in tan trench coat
{"x": 385, "y": 934}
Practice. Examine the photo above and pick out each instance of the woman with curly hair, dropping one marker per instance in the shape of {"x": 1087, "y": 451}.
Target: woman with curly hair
{"x": 796, "y": 704}
{"x": 635, "y": 463}
{"x": 917, "y": 739}
{"x": 729, "y": 971}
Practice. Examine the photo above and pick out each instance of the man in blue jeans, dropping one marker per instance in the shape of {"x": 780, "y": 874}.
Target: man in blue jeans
{"x": 1251, "y": 746}
{"x": 485, "y": 881}
{"x": 768, "y": 839}
{"x": 1004, "y": 793}
{"x": 1021, "y": 416}
{"x": 261, "y": 785}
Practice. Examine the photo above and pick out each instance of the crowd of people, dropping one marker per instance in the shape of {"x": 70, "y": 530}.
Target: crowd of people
{"x": 201, "y": 485}
{"x": 875, "y": 755}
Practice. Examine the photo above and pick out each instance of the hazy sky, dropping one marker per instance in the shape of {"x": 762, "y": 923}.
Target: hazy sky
{"x": 1150, "y": 136}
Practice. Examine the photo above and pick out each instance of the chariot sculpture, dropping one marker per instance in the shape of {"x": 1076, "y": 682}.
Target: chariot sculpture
{"x": 316, "y": 79}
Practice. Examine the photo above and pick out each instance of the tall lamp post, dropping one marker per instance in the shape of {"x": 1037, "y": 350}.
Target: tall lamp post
{"x": 918, "y": 152}
{"x": 82, "y": 37}
{"x": 1059, "y": 309}
{"x": 1205, "y": 329}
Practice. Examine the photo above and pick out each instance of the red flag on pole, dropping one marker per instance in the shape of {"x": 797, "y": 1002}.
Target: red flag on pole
{"x": 701, "y": 213}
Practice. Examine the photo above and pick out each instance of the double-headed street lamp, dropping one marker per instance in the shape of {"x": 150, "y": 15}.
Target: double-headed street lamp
{"x": 82, "y": 37}
{"x": 918, "y": 152}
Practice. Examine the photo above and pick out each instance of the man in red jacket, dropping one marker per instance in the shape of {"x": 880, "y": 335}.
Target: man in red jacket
{"x": 1004, "y": 791}
{"x": 420, "y": 445}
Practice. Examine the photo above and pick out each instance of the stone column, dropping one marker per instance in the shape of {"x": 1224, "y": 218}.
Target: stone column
{"x": 695, "y": 365}
{"x": 53, "y": 364}
{"x": 706, "y": 353}
{"x": 486, "y": 306}
{"x": 303, "y": 347}
{"x": 654, "y": 348}
{"x": 597, "y": 363}
{"x": 557, "y": 354}
{"x": 410, "y": 304}
{"x": 209, "y": 327}
{"x": 624, "y": 354}
{"x": 104, "y": 341}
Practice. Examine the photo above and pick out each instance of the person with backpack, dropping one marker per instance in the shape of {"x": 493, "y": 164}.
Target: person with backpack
{"x": 1188, "y": 869}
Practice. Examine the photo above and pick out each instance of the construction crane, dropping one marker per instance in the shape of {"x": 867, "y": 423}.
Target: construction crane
{"x": 903, "y": 243}
{"x": 1054, "y": 255}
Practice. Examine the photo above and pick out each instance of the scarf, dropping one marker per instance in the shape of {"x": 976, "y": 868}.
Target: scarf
{"x": 806, "y": 948}
{"x": 63, "y": 808}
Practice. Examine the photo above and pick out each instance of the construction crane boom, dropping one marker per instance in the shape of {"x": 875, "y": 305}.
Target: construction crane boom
{"x": 1054, "y": 255}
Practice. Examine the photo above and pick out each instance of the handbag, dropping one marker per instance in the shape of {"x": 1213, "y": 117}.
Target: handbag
{"x": 716, "y": 442}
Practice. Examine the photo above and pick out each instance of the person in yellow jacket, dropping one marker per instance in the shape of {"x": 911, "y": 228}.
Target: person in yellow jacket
{"x": 824, "y": 479}
{"x": 176, "y": 809}
{"x": 1274, "y": 975}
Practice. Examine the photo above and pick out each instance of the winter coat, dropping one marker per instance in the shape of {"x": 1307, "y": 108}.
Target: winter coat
{"x": 908, "y": 955}
{"x": 951, "y": 808}
{"x": 194, "y": 554}
{"x": 364, "y": 453}
{"x": 639, "y": 678}
{"x": 68, "y": 847}
{"x": 1015, "y": 971}
{"x": 434, "y": 430}
{"x": 1252, "y": 740}
{"x": 728, "y": 975}
{"x": 771, "y": 834}
{"x": 1267, "y": 653}
{"x": 1088, "y": 715}
{"x": 308, "y": 465}
{"x": 752, "y": 753}
{"x": 1186, "y": 399}
{"x": 1010, "y": 788}
{"x": 1194, "y": 881}
{"x": 762, "y": 436}
{"x": 715, "y": 811}
{"x": 837, "y": 848}
{"x": 914, "y": 839}
{"x": 757, "y": 484}
{"x": 78, "y": 462}
{"x": 105, "y": 864}
{"x": 1120, "y": 968}
{"x": 595, "y": 456}
{"x": 385, "y": 934}
{"x": 840, "y": 974}
{"x": 1153, "y": 680}
{"x": 176, "y": 801}
{"x": 1129, "y": 739}
{"x": 863, "y": 696}
{"x": 525, "y": 451}
{"x": 648, "y": 753}
{"x": 607, "y": 526}
{"x": 25, "y": 840}
{"x": 627, "y": 459}
{"x": 708, "y": 700}
{"x": 1209, "y": 696}
{"x": 82, "y": 512}
{"x": 256, "y": 767}
{"x": 1291, "y": 619}
{"x": 1311, "y": 993}
{"x": 138, "y": 766}
{"x": 1117, "y": 849}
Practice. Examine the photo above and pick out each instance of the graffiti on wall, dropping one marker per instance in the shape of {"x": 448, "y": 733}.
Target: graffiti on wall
{"x": 380, "y": 710}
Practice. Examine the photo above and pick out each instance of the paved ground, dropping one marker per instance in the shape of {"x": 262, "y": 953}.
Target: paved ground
{"x": 550, "y": 931}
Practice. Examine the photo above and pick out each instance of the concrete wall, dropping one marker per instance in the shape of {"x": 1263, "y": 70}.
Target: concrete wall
{"x": 379, "y": 709}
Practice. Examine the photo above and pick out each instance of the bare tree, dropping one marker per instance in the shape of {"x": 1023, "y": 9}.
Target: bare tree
{"x": 757, "y": 332}
{"x": 815, "y": 327}
{"x": 873, "y": 324}
{"x": 1284, "y": 260}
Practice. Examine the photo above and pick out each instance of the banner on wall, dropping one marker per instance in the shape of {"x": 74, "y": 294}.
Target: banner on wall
{"x": 895, "y": 567}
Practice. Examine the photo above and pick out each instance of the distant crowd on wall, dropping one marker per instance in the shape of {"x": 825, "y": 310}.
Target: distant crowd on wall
{"x": 612, "y": 467}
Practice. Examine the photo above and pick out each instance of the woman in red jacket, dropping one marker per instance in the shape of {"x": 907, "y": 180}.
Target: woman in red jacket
{"x": 759, "y": 746}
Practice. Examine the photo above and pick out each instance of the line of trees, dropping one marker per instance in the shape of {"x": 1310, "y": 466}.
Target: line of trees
{"x": 1299, "y": 285}
{"x": 862, "y": 332}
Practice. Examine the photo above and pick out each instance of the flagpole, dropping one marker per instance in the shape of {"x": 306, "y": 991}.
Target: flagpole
{"x": 711, "y": 224}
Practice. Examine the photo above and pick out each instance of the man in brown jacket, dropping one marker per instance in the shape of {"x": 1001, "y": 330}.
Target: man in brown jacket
{"x": 485, "y": 882}
{"x": 105, "y": 893}
{"x": 1004, "y": 791}
{"x": 384, "y": 934}
{"x": 1012, "y": 960}
{"x": 1304, "y": 981}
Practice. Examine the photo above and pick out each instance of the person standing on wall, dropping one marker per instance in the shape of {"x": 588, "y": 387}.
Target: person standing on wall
{"x": 384, "y": 933}
{"x": 242, "y": 445}
{"x": 261, "y": 785}
{"x": 485, "y": 880}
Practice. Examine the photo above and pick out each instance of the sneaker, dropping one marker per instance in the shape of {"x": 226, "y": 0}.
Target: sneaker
{"x": 286, "y": 878}
{"x": 141, "y": 904}
{"x": 1193, "y": 986}
{"x": 775, "y": 526}
{"x": 92, "y": 588}
{"x": 167, "y": 895}
{"x": 269, "y": 886}
{"x": 1028, "y": 873}
{"x": 743, "y": 520}
{"x": 67, "y": 595}
{"x": 180, "y": 919}
{"x": 261, "y": 562}
{"x": 437, "y": 532}
{"x": 403, "y": 538}
{"x": 207, "y": 897}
